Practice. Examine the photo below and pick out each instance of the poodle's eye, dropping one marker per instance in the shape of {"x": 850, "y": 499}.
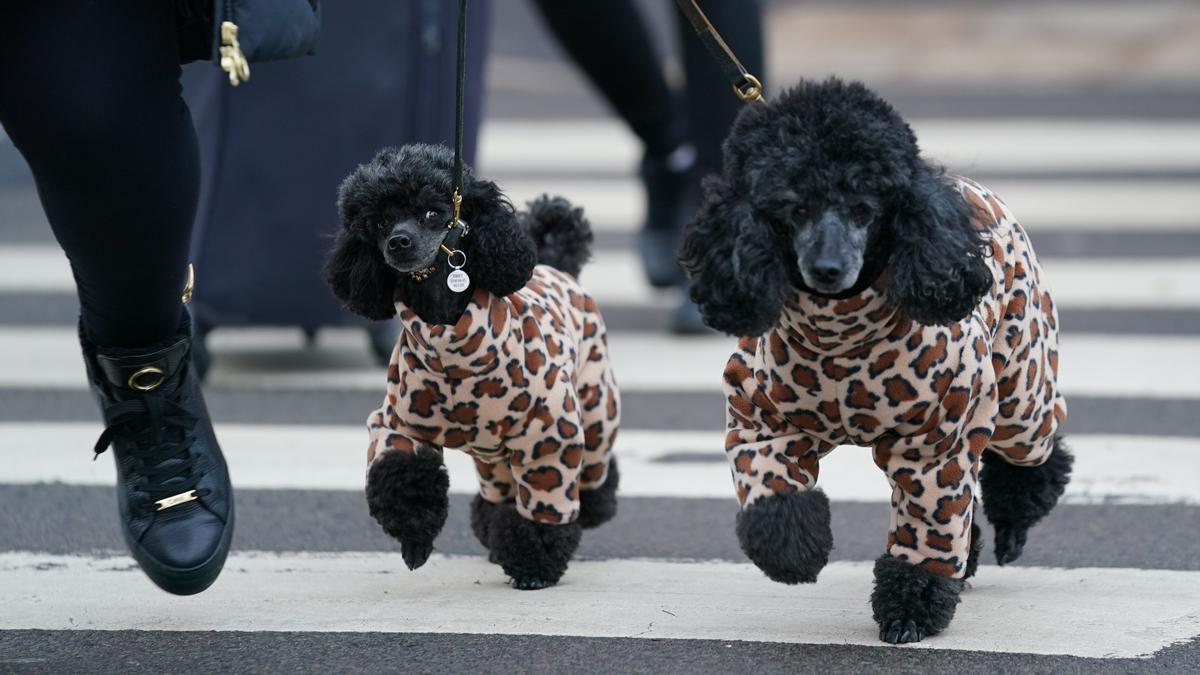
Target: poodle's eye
{"x": 430, "y": 215}
{"x": 800, "y": 214}
{"x": 860, "y": 213}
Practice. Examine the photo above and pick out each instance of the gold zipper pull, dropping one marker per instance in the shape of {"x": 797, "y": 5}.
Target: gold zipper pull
{"x": 233, "y": 61}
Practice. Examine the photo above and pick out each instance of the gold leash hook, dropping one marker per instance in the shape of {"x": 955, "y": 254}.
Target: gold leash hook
{"x": 750, "y": 90}
{"x": 456, "y": 200}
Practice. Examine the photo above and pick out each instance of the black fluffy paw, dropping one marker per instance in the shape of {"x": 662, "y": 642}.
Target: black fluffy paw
{"x": 407, "y": 496}
{"x": 531, "y": 583}
{"x": 415, "y": 554}
{"x": 1015, "y": 498}
{"x": 901, "y": 631}
{"x": 598, "y": 506}
{"x": 534, "y": 554}
{"x": 787, "y": 535}
{"x": 909, "y": 603}
{"x": 1010, "y": 543}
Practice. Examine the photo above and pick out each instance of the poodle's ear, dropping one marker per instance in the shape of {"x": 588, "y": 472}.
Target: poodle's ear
{"x": 502, "y": 254}
{"x": 939, "y": 273}
{"x": 739, "y": 276}
{"x": 359, "y": 277}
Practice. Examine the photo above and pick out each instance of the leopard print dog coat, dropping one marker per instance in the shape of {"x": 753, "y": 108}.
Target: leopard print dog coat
{"x": 522, "y": 383}
{"x": 928, "y": 399}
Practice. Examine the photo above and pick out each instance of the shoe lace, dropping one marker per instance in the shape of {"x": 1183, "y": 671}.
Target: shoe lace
{"x": 160, "y": 432}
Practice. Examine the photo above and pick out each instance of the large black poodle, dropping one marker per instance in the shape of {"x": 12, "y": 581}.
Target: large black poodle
{"x": 502, "y": 354}
{"x": 881, "y": 303}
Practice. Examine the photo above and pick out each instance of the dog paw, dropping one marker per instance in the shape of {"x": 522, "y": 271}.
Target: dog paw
{"x": 415, "y": 555}
{"x": 534, "y": 555}
{"x": 1010, "y": 543}
{"x": 910, "y": 603}
{"x": 902, "y": 631}
{"x": 531, "y": 583}
{"x": 787, "y": 535}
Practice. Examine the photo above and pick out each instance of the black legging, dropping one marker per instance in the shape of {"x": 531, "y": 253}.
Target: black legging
{"x": 90, "y": 95}
{"x": 610, "y": 41}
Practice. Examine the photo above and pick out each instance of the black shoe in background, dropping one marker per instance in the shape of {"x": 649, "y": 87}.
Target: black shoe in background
{"x": 672, "y": 198}
{"x": 173, "y": 492}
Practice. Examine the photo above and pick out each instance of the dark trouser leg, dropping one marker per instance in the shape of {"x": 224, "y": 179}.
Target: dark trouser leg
{"x": 89, "y": 94}
{"x": 592, "y": 32}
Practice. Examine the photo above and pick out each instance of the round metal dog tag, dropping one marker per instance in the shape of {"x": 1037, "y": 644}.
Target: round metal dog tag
{"x": 458, "y": 281}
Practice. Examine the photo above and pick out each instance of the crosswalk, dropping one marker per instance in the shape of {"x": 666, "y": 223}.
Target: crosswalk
{"x": 1115, "y": 202}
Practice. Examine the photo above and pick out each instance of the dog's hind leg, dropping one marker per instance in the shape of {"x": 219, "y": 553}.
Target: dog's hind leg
{"x": 1017, "y": 493}
{"x": 496, "y": 486}
{"x": 600, "y": 414}
{"x": 407, "y": 496}
{"x": 534, "y": 538}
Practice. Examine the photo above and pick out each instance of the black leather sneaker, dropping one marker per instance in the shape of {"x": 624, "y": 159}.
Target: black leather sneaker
{"x": 173, "y": 491}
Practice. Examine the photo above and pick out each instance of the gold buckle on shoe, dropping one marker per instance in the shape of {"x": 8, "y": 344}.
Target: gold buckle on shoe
{"x": 181, "y": 498}
{"x": 147, "y": 379}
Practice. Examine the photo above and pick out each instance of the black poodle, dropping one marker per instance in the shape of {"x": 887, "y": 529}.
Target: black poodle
{"x": 883, "y": 303}
{"x": 502, "y": 354}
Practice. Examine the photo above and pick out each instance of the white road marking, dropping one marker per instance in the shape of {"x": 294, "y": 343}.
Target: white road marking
{"x": 616, "y": 277}
{"x": 1029, "y": 610}
{"x": 996, "y": 145}
{"x": 1115, "y": 366}
{"x": 1040, "y": 205}
{"x": 334, "y": 458}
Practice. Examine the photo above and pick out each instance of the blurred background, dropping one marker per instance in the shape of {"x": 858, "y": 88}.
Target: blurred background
{"x": 1084, "y": 116}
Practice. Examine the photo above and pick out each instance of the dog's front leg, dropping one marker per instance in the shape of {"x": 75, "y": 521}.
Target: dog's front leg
{"x": 929, "y": 548}
{"x": 407, "y": 492}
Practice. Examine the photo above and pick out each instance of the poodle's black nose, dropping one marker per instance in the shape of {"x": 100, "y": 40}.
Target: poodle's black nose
{"x": 827, "y": 271}
{"x": 399, "y": 241}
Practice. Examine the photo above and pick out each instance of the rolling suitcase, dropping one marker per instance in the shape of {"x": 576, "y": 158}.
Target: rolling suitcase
{"x": 275, "y": 149}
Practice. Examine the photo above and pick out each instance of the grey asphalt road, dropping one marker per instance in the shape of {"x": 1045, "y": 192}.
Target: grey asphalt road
{"x": 80, "y": 520}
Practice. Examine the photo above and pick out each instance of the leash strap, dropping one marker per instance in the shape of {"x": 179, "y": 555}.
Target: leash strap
{"x": 459, "y": 95}
{"x": 746, "y": 86}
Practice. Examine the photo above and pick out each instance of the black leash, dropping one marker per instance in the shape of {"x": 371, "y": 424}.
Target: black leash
{"x": 745, "y": 85}
{"x": 460, "y": 94}
{"x": 457, "y": 280}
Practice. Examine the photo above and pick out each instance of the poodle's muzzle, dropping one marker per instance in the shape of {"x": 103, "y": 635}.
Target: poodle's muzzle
{"x": 830, "y": 252}
{"x": 409, "y": 246}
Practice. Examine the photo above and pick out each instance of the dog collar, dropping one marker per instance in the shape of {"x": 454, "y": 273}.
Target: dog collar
{"x": 456, "y": 230}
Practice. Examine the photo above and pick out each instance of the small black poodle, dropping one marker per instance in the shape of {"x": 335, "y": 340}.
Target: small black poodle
{"x": 502, "y": 354}
{"x": 880, "y": 303}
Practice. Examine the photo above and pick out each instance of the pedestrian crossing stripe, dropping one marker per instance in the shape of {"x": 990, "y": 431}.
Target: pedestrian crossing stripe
{"x": 1028, "y": 610}
{"x": 1111, "y": 366}
{"x": 1011, "y": 145}
{"x": 653, "y": 463}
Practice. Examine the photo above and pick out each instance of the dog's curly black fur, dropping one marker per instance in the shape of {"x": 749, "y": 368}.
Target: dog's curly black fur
{"x": 909, "y": 603}
{"x": 407, "y": 496}
{"x": 805, "y": 153}
{"x": 500, "y": 253}
{"x": 787, "y": 535}
{"x": 976, "y": 548}
{"x": 1015, "y": 498}
{"x": 563, "y": 236}
{"x": 534, "y": 554}
{"x": 599, "y": 506}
